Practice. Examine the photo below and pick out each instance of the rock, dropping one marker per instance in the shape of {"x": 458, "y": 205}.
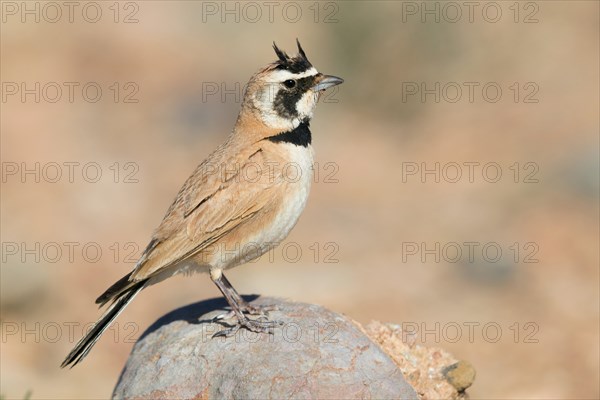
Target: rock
{"x": 461, "y": 375}
{"x": 316, "y": 353}
{"x": 432, "y": 372}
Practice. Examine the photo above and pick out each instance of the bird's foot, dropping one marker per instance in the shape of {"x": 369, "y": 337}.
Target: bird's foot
{"x": 261, "y": 325}
{"x": 247, "y": 309}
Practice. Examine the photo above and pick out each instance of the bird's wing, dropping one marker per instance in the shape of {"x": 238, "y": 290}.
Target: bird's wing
{"x": 213, "y": 202}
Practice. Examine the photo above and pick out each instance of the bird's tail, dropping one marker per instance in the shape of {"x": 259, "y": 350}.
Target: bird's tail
{"x": 83, "y": 347}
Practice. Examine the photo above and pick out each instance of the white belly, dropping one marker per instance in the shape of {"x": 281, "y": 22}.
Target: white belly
{"x": 298, "y": 180}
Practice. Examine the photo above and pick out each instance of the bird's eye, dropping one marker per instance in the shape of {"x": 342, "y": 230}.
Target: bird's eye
{"x": 289, "y": 83}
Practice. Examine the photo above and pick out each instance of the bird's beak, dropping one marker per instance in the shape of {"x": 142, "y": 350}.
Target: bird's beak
{"x": 325, "y": 82}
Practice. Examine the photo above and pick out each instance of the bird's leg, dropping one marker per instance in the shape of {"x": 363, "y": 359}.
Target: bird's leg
{"x": 245, "y": 307}
{"x": 237, "y": 304}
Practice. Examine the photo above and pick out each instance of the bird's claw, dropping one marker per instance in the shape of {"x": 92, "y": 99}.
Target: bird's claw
{"x": 261, "y": 325}
{"x": 247, "y": 309}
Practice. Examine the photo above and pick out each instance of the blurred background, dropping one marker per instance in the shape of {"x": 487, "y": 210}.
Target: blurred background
{"x": 456, "y": 191}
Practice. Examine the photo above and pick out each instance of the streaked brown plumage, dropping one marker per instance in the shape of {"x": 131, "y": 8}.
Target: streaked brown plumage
{"x": 221, "y": 207}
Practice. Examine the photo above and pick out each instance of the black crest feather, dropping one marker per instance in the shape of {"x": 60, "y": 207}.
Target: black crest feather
{"x": 283, "y": 57}
{"x": 295, "y": 64}
{"x": 301, "y": 50}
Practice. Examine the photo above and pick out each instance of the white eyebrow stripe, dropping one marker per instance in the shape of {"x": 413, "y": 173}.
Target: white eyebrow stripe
{"x": 283, "y": 75}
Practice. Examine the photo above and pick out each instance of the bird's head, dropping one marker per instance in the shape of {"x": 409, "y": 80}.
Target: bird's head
{"x": 285, "y": 92}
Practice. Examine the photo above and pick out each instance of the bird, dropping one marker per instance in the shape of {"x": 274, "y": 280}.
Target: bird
{"x": 239, "y": 203}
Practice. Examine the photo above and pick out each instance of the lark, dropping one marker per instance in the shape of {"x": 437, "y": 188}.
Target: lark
{"x": 238, "y": 203}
